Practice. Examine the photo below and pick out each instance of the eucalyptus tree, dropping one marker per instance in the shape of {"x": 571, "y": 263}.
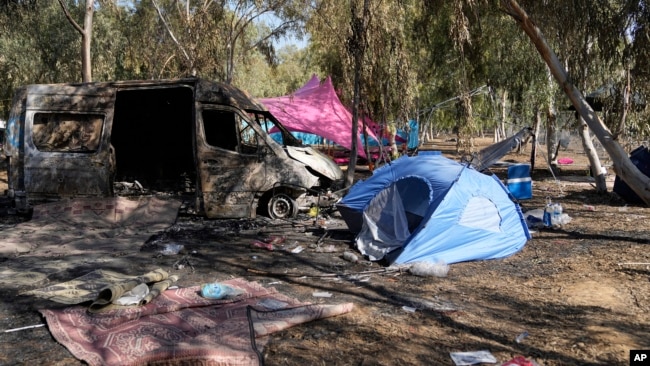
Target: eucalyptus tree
{"x": 37, "y": 45}
{"x": 637, "y": 83}
{"x": 283, "y": 77}
{"x": 148, "y": 53}
{"x": 624, "y": 168}
{"x": 366, "y": 42}
{"x": 594, "y": 42}
{"x": 459, "y": 47}
{"x": 516, "y": 77}
{"x": 86, "y": 36}
{"x": 589, "y": 38}
{"x": 107, "y": 31}
{"x": 435, "y": 65}
{"x": 211, "y": 37}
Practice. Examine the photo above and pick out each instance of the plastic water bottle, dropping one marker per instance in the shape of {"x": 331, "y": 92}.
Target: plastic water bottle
{"x": 218, "y": 291}
{"x": 548, "y": 211}
{"x": 556, "y": 218}
{"x": 521, "y": 337}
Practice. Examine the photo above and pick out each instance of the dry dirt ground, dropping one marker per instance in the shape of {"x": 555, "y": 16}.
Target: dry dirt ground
{"x": 581, "y": 292}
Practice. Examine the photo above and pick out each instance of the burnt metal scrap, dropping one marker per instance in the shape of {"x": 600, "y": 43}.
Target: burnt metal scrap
{"x": 206, "y": 142}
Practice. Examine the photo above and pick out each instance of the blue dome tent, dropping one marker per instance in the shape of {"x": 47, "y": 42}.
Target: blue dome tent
{"x": 431, "y": 208}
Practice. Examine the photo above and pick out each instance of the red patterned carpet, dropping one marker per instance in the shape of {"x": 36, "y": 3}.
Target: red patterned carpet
{"x": 180, "y": 327}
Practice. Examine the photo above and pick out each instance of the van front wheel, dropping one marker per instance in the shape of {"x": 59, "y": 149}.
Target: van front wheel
{"x": 282, "y": 206}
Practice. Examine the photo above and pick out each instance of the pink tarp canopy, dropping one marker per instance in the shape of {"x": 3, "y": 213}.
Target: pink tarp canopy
{"x": 315, "y": 108}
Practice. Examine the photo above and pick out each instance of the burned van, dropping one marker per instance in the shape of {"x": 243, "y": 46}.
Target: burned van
{"x": 206, "y": 140}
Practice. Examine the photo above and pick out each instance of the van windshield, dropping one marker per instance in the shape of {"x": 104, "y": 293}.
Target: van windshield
{"x": 275, "y": 129}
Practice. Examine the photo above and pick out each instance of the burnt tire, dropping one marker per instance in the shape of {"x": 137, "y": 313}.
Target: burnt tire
{"x": 281, "y": 206}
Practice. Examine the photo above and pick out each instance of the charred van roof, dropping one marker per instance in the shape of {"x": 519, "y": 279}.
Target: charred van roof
{"x": 206, "y": 91}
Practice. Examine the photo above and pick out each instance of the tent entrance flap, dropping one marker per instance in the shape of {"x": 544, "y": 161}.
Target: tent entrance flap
{"x": 392, "y": 215}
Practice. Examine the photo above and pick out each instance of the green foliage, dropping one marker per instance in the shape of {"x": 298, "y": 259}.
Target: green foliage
{"x": 420, "y": 56}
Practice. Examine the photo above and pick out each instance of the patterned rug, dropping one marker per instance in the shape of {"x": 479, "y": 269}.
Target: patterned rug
{"x": 180, "y": 327}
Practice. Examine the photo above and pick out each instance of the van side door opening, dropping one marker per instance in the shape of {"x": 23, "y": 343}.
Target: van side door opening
{"x": 152, "y": 137}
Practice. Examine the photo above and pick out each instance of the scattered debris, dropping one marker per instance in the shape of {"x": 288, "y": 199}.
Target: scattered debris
{"x": 326, "y": 249}
{"x": 128, "y": 189}
{"x": 472, "y": 358}
{"x": 297, "y": 249}
{"x": 181, "y": 263}
{"x": 521, "y": 337}
{"x": 431, "y": 304}
{"x": 133, "y": 296}
{"x": 23, "y": 328}
{"x": 347, "y": 275}
{"x": 426, "y": 268}
{"x": 322, "y": 294}
{"x": 172, "y": 249}
{"x": 409, "y": 309}
{"x": 350, "y": 257}
{"x": 520, "y": 361}
{"x": 263, "y": 245}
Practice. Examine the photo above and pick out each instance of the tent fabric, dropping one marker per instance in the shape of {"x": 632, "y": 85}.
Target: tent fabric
{"x": 413, "y": 135}
{"x": 399, "y": 139}
{"x": 315, "y": 108}
{"x": 640, "y": 157}
{"x": 431, "y": 208}
{"x": 306, "y": 138}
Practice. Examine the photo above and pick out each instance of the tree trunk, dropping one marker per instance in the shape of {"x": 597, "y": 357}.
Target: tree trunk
{"x": 352, "y": 164}
{"x": 502, "y": 123}
{"x": 623, "y": 166}
{"x": 538, "y": 128}
{"x": 392, "y": 131}
{"x": 86, "y": 39}
{"x": 620, "y": 128}
{"x": 592, "y": 155}
{"x": 357, "y": 49}
{"x": 230, "y": 63}
{"x": 551, "y": 138}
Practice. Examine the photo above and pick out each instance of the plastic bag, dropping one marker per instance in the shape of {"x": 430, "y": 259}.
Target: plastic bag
{"x": 219, "y": 291}
{"x": 133, "y": 296}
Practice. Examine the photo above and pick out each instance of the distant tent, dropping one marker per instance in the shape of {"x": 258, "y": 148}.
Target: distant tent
{"x": 306, "y": 138}
{"x": 409, "y": 137}
{"x": 430, "y": 208}
{"x": 640, "y": 157}
{"x": 488, "y": 156}
{"x": 315, "y": 108}
{"x": 413, "y": 139}
{"x": 399, "y": 139}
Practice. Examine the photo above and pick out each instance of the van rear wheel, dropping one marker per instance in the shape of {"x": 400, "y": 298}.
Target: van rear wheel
{"x": 282, "y": 206}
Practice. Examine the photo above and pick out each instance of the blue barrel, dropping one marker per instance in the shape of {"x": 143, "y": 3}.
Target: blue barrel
{"x": 519, "y": 182}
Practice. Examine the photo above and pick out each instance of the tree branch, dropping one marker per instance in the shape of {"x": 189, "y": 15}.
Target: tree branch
{"x": 171, "y": 34}
{"x": 72, "y": 21}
